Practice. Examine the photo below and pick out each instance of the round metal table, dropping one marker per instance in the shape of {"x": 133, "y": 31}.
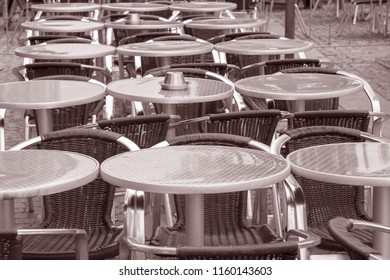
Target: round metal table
{"x": 29, "y": 173}
{"x": 202, "y": 7}
{"x": 44, "y": 95}
{"x": 298, "y": 87}
{"x": 194, "y": 171}
{"x": 360, "y": 164}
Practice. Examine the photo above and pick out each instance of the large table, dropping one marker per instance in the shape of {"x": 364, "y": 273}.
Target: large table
{"x": 44, "y": 95}
{"x": 163, "y": 50}
{"x": 360, "y": 164}
{"x": 298, "y": 87}
{"x": 202, "y": 7}
{"x": 194, "y": 171}
{"x": 262, "y": 47}
{"x": 29, "y": 173}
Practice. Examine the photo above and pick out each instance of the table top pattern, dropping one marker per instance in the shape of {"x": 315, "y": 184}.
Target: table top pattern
{"x": 203, "y": 6}
{"x": 28, "y": 173}
{"x": 160, "y": 48}
{"x": 145, "y": 24}
{"x": 195, "y": 169}
{"x": 62, "y": 26}
{"x": 149, "y": 90}
{"x": 225, "y": 23}
{"x": 349, "y": 163}
{"x": 135, "y": 7}
{"x": 66, "y": 7}
{"x": 300, "y": 86}
{"x": 64, "y": 51}
{"x": 264, "y": 46}
{"x": 48, "y": 94}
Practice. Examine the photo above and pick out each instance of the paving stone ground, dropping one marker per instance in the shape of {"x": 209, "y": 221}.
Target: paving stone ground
{"x": 357, "y": 50}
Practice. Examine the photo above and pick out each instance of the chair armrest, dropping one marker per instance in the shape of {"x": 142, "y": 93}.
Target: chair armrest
{"x": 20, "y": 73}
{"x": 340, "y": 228}
{"x": 309, "y": 239}
{"x": 80, "y": 236}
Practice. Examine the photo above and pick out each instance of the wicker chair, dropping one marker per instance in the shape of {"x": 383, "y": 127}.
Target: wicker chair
{"x": 88, "y": 207}
{"x": 204, "y": 34}
{"x": 11, "y": 241}
{"x": 227, "y": 233}
{"x": 342, "y": 229}
{"x": 363, "y": 120}
{"x": 315, "y": 203}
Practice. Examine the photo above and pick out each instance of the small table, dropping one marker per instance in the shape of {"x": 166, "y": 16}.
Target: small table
{"x": 135, "y": 7}
{"x": 62, "y": 26}
{"x": 262, "y": 47}
{"x": 161, "y": 49}
{"x": 225, "y": 23}
{"x": 66, "y": 52}
{"x": 194, "y": 171}
{"x": 360, "y": 164}
{"x": 202, "y": 7}
{"x": 29, "y": 173}
{"x": 298, "y": 87}
{"x": 149, "y": 90}
{"x": 66, "y": 8}
{"x": 44, "y": 95}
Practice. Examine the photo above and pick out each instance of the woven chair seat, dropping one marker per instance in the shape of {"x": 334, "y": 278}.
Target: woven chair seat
{"x": 61, "y": 247}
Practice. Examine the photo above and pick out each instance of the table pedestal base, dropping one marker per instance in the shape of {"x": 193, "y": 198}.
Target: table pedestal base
{"x": 7, "y": 216}
{"x": 194, "y": 225}
{"x": 381, "y": 215}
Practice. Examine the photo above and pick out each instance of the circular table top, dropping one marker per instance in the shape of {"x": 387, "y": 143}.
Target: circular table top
{"x": 166, "y": 49}
{"x": 48, "y": 94}
{"x": 28, "y": 173}
{"x": 66, "y": 7}
{"x": 203, "y": 6}
{"x": 263, "y": 46}
{"x": 364, "y": 164}
{"x": 149, "y": 90}
{"x": 195, "y": 169}
{"x": 135, "y": 7}
{"x": 225, "y": 23}
{"x": 144, "y": 24}
{"x": 64, "y": 51}
{"x": 62, "y": 26}
{"x": 299, "y": 86}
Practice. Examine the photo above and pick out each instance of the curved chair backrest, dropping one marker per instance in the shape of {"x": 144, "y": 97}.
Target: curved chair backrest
{"x": 145, "y": 131}
{"x": 189, "y": 111}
